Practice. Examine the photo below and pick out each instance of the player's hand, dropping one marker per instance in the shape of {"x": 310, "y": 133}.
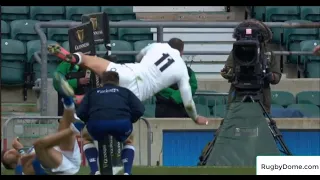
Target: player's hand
{"x": 25, "y": 158}
{"x": 16, "y": 144}
{"x": 84, "y": 81}
{"x": 316, "y": 50}
{"x": 202, "y": 120}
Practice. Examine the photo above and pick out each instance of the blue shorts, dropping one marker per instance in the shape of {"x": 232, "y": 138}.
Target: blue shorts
{"x": 119, "y": 129}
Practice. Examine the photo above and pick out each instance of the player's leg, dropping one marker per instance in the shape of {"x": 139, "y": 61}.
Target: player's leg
{"x": 65, "y": 137}
{"x": 90, "y": 151}
{"x": 127, "y": 155}
{"x": 96, "y": 64}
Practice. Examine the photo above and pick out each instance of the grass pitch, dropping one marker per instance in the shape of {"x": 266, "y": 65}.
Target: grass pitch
{"x": 155, "y": 170}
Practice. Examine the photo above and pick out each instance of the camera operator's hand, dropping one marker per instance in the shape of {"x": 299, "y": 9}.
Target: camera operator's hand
{"x": 316, "y": 50}
{"x": 202, "y": 120}
{"x": 270, "y": 76}
{"x": 84, "y": 81}
{"x": 226, "y": 72}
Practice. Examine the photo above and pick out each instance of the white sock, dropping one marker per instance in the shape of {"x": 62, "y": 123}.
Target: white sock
{"x": 69, "y": 107}
{"x": 74, "y": 129}
{"x": 80, "y": 57}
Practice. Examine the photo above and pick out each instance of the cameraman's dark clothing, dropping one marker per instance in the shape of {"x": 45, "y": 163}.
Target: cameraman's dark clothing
{"x": 169, "y": 102}
{"x": 274, "y": 66}
{"x": 110, "y": 102}
{"x": 72, "y": 73}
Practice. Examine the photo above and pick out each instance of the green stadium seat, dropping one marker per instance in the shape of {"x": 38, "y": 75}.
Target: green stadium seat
{"x": 23, "y": 30}
{"x": 200, "y": 100}
{"x": 282, "y": 98}
{"x": 312, "y": 62}
{"x": 59, "y": 34}
{"x": 150, "y": 110}
{"x": 308, "y": 97}
{"x": 216, "y": 100}
{"x": 118, "y": 45}
{"x": 311, "y": 13}
{"x": 10, "y": 13}
{"x": 5, "y": 30}
{"x": 220, "y": 110}
{"x": 135, "y": 34}
{"x": 202, "y": 110}
{"x": 75, "y": 12}
{"x": 276, "y": 38}
{"x": 138, "y": 45}
{"x": 259, "y": 12}
{"x": 47, "y": 13}
{"x": 113, "y": 34}
{"x": 66, "y": 45}
{"x": 282, "y": 13}
{"x": 293, "y": 46}
{"x": 35, "y": 46}
{"x": 151, "y": 100}
{"x": 299, "y": 34}
{"x": 308, "y": 110}
{"x": 119, "y": 13}
{"x": 13, "y": 58}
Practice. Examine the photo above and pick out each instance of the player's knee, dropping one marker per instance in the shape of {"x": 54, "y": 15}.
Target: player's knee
{"x": 39, "y": 144}
{"x": 129, "y": 140}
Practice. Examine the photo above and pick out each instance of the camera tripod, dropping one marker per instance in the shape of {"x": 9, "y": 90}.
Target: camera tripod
{"x": 271, "y": 124}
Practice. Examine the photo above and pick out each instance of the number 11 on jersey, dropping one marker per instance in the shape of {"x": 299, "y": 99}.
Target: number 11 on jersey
{"x": 166, "y": 65}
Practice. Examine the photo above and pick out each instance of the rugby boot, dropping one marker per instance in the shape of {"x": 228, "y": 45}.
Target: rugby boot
{"x": 63, "y": 86}
{"x": 62, "y": 53}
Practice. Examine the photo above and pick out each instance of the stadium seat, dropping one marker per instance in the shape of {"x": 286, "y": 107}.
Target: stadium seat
{"x": 135, "y": 34}
{"x": 113, "y": 34}
{"x": 276, "y": 38}
{"x": 150, "y": 110}
{"x": 309, "y": 97}
{"x": 308, "y": 110}
{"x": 138, "y": 45}
{"x": 282, "y": 98}
{"x": 13, "y": 58}
{"x": 277, "y": 111}
{"x": 220, "y": 110}
{"x": 47, "y": 13}
{"x": 5, "y": 30}
{"x": 66, "y": 45}
{"x": 75, "y": 12}
{"x": 259, "y": 12}
{"x": 216, "y": 100}
{"x": 10, "y": 13}
{"x": 23, "y": 30}
{"x": 311, "y": 13}
{"x": 119, "y": 13}
{"x": 282, "y": 13}
{"x": 299, "y": 34}
{"x": 278, "y": 106}
{"x": 293, "y": 46}
{"x": 200, "y": 100}
{"x": 118, "y": 45}
{"x": 202, "y": 110}
{"x": 34, "y": 46}
{"x": 59, "y": 34}
{"x": 312, "y": 62}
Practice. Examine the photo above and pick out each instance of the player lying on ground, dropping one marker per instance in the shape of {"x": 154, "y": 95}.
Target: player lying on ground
{"x": 160, "y": 66}
{"x": 111, "y": 110}
{"x": 56, "y": 154}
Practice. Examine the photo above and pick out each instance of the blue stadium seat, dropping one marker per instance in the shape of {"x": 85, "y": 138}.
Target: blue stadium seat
{"x": 23, "y": 30}
{"x": 5, "y": 30}
{"x": 47, "y": 13}
{"x": 74, "y": 13}
{"x": 34, "y": 46}
{"x": 308, "y": 110}
{"x": 10, "y": 13}
{"x": 13, "y": 58}
{"x": 59, "y": 34}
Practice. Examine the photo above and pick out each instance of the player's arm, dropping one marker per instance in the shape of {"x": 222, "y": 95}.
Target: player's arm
{"x": 83, "y": 109}
{"x": 186, "y": 95}
{"x": 143, "y": 52}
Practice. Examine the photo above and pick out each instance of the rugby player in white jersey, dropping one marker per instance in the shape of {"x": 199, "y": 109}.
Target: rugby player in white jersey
{"x": 56, "y": 154}
{"x": 159, "y": 66}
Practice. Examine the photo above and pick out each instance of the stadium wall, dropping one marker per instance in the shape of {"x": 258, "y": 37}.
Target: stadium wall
{"x": 178, "y": 142}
